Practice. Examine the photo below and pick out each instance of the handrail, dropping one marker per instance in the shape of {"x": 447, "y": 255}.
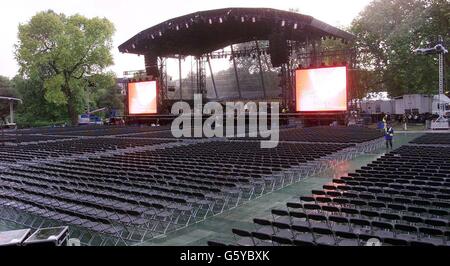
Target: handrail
{"x": 11, "y": 99}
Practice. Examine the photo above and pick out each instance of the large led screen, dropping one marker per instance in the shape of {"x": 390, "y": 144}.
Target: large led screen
{"x": 142, "y": 98}
{"x": 321, "y": 89}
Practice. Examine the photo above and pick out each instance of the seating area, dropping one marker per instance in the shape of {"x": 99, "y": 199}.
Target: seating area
{"x": 136, "y": 196}
{"x": 11, "y": 139}
{"x": 126, "y": 189}
{"x": 315, "y": 134}
{"x": 439, "y": 139}
{"x": 70, "y": 148}
{"x": 333, "y": 135}
{"x": 401, "y": 199}
{"x": 90, "y": 130}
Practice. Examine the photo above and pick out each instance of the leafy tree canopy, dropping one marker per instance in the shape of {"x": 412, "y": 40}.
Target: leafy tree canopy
{"x": 387, "y": 32}
{"x": 67, "y": 54}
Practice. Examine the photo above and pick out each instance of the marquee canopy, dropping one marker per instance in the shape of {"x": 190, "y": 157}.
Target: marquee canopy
{"x": 206, "y": 31}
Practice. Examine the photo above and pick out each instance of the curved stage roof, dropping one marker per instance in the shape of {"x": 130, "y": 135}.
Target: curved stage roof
{"x": 206, "y": 31}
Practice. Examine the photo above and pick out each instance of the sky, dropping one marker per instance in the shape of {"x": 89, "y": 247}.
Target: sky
{"x": 133, "y": 16}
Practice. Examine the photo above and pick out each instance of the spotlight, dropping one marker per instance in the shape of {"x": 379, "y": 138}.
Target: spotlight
{"x": 210, "y": 21}
{"x": 133, "y": 46}
{"x": 187, "y": 26}
{"x": 242, "y": 19}
{"x": 295, "y": 26}
{"x": 220, "y": 20}
{"x": 153, "y": 37}
{"x": 178, "y": 27}
{"x": 160, "y": 33}
{"x": 283, "y": 23}
{"x": 253, "y": 19}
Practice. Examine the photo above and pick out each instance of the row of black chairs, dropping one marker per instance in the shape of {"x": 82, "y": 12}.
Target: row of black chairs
{"x": 385, "y": 201}
{"x": 440, "y": 138}
{"x": 329, "y": 134}
{"x": 69, "y": 148}
{"x": 91, "y": 130}
{"x": 11, "y": 139}
{"x": 314, "y": 134}
{"x": 147, "y": 191}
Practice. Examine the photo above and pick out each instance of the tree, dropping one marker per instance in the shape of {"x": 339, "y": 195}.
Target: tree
{"x": 36, "y": 110}
{"x": 67, "y": 53}
{"x": 388, "y": 31}
{"x": 106, "y": 93}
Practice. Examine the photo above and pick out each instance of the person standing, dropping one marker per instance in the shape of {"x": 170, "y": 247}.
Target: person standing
{"x": 405, "y": 122}
{"x": 388, "y": 136}
{"x": 385, "y": 120}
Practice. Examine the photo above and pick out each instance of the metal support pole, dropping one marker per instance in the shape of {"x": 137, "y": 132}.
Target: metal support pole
{"x": 161, "y": 92}
{"x": 266, "y": 61}
{"x": 236, "y": 72}
{"x": 319, "y": 57}
{"x": 181, "y": 81}
{"x": 441, "y": 69}
{"x": 11, "y": 111}
{"x": 261, "y": 71}
{"x": 283, "y": 84}
{"x": 441, "y": 84}
{"x": 166, "y": 79}
{"x": 197, "y": 80}
{"x": 212, "y": 76}
{"x": 290, "y": 95}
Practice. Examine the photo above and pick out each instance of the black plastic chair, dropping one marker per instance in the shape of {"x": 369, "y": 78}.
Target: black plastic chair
{"x": 326, "y": 236}
{"x": 282, "y": 241}
{"x": 299, "y": 218}
{"x": 247, "y": 238}
{"x": 347, "y": 238}
{"x": 303, "y": 243}
{"x": 266, "y": 226}
{"x": 395, "y": 242}
{"x": 216, "y": 244}
{"x": 384, "y": 229}
{"x": 264, "y": 239}
{"x": 411, "y": 232}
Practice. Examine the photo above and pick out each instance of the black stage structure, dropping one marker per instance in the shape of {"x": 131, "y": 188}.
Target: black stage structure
{"x": 285, "y": 39}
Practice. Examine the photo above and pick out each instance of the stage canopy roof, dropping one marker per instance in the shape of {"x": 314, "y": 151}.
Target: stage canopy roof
{"x": 206, "y": 31}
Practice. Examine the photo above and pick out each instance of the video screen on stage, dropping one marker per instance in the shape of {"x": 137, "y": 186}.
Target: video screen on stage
{"x": 142, "y": 98}
{"x": 321, "y": 89}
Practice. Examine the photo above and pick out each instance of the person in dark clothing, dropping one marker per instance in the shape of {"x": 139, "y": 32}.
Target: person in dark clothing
{"x": 388, "y": 136}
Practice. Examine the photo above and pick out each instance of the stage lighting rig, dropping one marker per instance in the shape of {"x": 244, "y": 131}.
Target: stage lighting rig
{"x": 442, "y": 122}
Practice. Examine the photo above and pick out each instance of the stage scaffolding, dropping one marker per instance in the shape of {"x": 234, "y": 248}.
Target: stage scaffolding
{"x": 244, "y": 72}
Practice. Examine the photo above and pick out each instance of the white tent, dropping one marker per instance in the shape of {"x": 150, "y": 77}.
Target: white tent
{"x": 443, "y": 99}
{"x": 11, "y": 108}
